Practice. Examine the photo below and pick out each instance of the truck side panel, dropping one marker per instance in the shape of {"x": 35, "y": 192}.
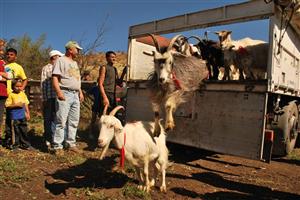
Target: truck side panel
{"x": 222, "y": 121}
{"x": 285, "y": 78}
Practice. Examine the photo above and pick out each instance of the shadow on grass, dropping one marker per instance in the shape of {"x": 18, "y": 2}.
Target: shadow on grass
{"x": 93, "y": 173}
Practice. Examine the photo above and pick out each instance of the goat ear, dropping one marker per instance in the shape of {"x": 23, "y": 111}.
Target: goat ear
{"x": 149, "y": 53}
{"x": 117, "y": 128}
{"x": 217, "y": 32}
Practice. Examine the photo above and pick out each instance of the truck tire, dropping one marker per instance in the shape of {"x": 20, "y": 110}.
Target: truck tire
{"x": 288, "y": 126}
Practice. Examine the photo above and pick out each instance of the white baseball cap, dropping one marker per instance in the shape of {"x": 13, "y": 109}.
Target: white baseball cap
{"x": 55, "y": 53}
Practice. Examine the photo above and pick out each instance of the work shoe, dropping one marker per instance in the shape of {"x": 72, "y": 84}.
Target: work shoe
{"x": 74, "y": 149}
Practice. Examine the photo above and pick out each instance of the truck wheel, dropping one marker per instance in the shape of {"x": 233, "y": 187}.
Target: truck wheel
{"x": 288, "y": 123}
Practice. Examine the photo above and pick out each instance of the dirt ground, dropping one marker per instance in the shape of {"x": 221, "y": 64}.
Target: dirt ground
{"x": 194, "y": 174}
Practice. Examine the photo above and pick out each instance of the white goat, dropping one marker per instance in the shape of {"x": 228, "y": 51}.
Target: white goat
{"x": 141, "y": 149}
{"x": 247, "y": 56}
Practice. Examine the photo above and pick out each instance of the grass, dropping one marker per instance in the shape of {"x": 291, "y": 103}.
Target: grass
{"x": 294, "y": 155}
{"x": 131, "y": 191}
{"x": 13, "y": 171}
{"x": 91, "y": 194}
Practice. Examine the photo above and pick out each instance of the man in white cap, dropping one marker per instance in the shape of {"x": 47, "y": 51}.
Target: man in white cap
{"x": 48, "y": 97}
{"x": 67, "y": 84}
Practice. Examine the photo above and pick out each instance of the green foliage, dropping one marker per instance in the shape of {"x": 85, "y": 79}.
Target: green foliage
{"x": 133, "y": 192}
{"x": 294, "y": 155}
{"x": 12, "y": 172}
{"x": 32, "y": 55}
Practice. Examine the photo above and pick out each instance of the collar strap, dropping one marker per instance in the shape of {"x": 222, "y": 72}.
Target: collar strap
{"x": 176, "y": 81}
{"x": 122, "y": 153}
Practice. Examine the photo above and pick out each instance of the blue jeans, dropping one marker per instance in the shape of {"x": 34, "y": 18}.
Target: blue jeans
{"x": 67, "y": 118}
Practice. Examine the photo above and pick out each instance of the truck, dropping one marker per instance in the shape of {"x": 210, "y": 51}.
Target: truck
{"x": 253, "y": 119}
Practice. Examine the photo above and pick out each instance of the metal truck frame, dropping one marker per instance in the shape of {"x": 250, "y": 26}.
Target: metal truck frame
{"x": 251, "y": 119}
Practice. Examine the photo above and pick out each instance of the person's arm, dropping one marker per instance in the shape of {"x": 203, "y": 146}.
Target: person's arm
{"x": 24, "y": 84}
{"x": 101, "y": 87}
{"x": 43, "y": 83}
{"x": 27, "y": 113}
{"x": 81, "y": 96}
{"x": 55, "y": 82}
{"x": 2, "y": 78}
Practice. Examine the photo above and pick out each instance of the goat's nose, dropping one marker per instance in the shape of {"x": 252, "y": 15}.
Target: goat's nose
{"x": 100, "y": 142}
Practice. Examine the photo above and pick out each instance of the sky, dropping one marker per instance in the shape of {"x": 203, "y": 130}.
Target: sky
{"x": 64, "y": 20}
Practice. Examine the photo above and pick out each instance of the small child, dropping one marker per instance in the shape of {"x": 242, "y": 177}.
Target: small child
{"x": 17, "y": 107}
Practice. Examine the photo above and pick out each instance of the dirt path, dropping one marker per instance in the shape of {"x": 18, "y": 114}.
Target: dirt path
{"x": 194, "y": 174}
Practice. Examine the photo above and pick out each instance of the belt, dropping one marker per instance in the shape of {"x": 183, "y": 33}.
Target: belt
{"x": 68, "y": 89}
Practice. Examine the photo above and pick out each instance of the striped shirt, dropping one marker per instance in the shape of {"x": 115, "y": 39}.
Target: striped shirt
{"x": 48, "y": 91}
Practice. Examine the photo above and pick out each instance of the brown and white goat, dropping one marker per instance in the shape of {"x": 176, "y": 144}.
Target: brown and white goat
{"x": 141, "y": 149}
{"x": 247, "y": 56}
{"x": 176, "y": 75}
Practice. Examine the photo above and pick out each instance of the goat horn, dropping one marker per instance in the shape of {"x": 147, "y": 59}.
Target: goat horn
{"x": 172, "y": 41}
{"x": 115, "y": 110}
{"x": 105, "y": 110}
{"x": 195, "y": 37}
{"x": 155, "y": 42}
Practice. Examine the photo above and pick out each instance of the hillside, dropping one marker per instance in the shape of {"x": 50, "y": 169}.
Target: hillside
{"x": 96, "y": 60}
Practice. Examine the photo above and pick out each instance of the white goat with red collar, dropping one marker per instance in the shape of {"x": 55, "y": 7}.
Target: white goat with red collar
{"x": 141, "y": 148}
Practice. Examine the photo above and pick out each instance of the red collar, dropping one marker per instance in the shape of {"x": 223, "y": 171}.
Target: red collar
{"x": 176, "y": 81}
{"x": 122, "y": 153}
{"x": 242, "y": 51}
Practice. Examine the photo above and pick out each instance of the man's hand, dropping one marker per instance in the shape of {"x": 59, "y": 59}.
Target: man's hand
{"x": 27, "y": 115}
{"x": 105, "y": 101}
{"x": 60, "y": 96}
{"x": 81, "y": 96}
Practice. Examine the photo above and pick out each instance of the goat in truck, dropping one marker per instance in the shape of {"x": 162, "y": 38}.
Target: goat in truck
{"x": 175, "y": 77}
{"x": 248, "y": 56}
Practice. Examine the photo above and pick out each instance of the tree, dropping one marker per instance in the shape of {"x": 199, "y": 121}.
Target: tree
{"x": 90, "y": 48}
{"x": 31, "y": 54}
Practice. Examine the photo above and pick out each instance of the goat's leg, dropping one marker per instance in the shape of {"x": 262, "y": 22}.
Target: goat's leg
{"x": 226, "y": 73}
{"x": 155, "y": 172}
{"x": 163, "y": 187}
{"x": 140, "y": 177}
{"x": 170, "y": 107}
{"x": 169, "y": 119}
{"x": 156, "y": 108}
{"x": 157, "y": 128}
{"x": 146, "y": 175}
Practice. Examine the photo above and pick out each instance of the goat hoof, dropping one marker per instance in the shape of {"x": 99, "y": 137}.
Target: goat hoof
{"x": 140, "y": 187}
{"x": 163, "y": 189}
{"x": 152, "y": 183}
